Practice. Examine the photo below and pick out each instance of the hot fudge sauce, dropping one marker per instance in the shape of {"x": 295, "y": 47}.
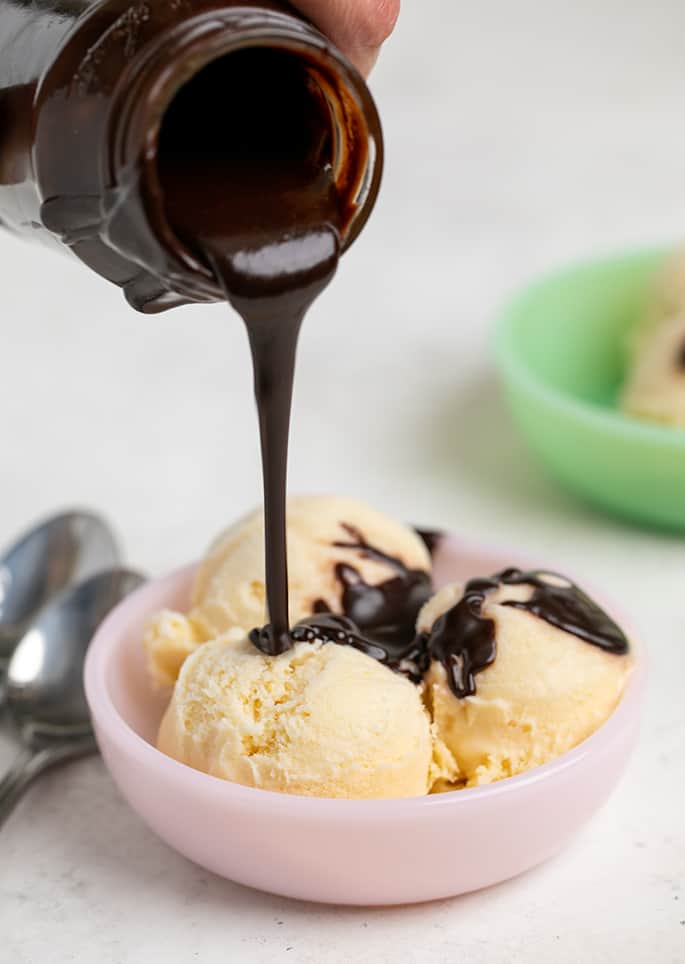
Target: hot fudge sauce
{"x": 252, "y": 191}
{"x": 464, "y": 639}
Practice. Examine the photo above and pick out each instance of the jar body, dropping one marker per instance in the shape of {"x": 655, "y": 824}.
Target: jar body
{"x": 29, "y": 38}
{"x": 83, "y": 90}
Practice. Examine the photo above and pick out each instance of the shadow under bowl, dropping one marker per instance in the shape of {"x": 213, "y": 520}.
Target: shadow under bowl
{"x": 360, "y": 852}
{"x": 561, "y": 351}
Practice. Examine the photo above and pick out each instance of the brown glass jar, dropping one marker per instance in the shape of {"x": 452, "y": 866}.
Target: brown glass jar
{"x": 84, "y": 89}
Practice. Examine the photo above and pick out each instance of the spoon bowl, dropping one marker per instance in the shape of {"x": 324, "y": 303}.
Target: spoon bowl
{"x": 56, "y": 553}
{"x": 45, "y": 695}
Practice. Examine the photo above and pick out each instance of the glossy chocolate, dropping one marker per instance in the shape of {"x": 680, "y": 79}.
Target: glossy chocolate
{"x": 378, "y": 619}
{"x": 464, "y": 640}
{"x": 407, "y": 658}
{"x": 564, "y": 605}
{"x": 258, "y": 203}
{"x": 386, "y": 612}
{"x": 254, "y": 197}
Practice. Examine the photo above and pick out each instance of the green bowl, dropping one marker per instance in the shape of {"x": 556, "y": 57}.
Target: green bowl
{"x": 560, "y": 348}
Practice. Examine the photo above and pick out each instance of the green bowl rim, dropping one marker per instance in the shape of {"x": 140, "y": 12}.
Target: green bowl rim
{"x": 515, "y": 370}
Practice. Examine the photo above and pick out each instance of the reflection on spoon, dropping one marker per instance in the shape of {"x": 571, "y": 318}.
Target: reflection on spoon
{"x": 45, "y": 695}
{"x": 56, "y": 553}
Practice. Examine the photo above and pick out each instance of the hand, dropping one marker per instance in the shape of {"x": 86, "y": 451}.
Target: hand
{"x": 358, "y": 27}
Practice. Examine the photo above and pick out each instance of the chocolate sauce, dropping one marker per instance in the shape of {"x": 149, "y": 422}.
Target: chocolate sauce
{"x": 405, "y": 657}
{"x": 464, "y": 640}
{"x": 330, "y": 628}
{"x": 194, "y": 151}
{"x": 253, "y": 194}
{"x": 431, "y": 538}
{"x": 248, "y": 186}
{"x": 385, "y": 613}
{"x": 377, "y": 619}
{"x": 567, "y": 607}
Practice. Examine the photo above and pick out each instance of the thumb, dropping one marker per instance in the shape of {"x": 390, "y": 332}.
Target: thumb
{"x": 357, "y": 27}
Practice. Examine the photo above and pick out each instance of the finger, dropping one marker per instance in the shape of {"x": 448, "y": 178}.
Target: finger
{"x": 358, "y": 27}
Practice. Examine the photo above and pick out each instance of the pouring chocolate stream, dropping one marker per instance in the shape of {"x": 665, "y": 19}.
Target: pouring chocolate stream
{"x": 254, "y": 195}
{"x": 260, "y": 204}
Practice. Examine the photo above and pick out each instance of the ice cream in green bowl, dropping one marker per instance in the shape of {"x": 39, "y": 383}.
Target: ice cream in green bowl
{"x": 594, "y": 374}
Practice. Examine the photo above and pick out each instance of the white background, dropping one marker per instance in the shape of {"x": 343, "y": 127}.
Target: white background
{"x": 518, "y": 136}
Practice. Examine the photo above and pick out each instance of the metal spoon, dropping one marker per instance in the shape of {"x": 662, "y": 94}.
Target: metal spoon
{"x": 45, "y": 695}
{"x": 56, "y": 553}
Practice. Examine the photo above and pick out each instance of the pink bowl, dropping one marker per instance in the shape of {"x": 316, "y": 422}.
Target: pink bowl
{"x": 360, "y": 852}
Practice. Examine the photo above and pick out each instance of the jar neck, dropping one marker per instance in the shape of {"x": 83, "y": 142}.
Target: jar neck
{"x": 135, "y": 215}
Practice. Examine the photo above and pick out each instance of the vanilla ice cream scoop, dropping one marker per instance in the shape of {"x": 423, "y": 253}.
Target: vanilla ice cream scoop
{"x": 667, "y": 297}
{"x": 655, "y": 387}
{"x": 344, "y": 557}
{"x": 522, "y": 667}
{"x": 319, "y": 720}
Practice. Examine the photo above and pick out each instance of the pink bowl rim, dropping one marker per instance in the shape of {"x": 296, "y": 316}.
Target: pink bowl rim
{"x": 108, "y": 720}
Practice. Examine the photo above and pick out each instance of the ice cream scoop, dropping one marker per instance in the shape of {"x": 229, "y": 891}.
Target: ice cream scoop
{"x": 319, "y": 720}
{"x": 344, "y": 557}
{"x": 655, "y": 387}
{"x": 497, "y": 676}
{"x": 366, "y": 852}
{"x": 667, "y": 294}
{"x": 524, "y": 667}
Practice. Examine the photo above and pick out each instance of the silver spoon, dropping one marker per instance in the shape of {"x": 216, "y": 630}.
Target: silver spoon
{"x": 56, "y": 553}
{"x": 45, "y": 695}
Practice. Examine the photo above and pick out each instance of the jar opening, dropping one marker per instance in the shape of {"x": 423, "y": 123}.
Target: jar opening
{"x": 214, "y": 114}
{"x": 258, "y": 119}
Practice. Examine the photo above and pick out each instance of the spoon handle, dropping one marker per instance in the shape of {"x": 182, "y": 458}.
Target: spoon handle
{"x": 31, "y": 763}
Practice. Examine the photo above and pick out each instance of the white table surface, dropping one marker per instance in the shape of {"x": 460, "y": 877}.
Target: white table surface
{"x": 518, "y": 136}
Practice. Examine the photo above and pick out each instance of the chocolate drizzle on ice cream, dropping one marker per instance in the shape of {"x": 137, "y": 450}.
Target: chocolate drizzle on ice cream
{"x": 564, "y": 605}
{"x": 386, "y": 612}
{"x": 377, "y": 619}
{"x": 464, "y": 640}
{"x": 268, "y": 198}
{"x": 406, "y": 658}
{"x": 330, "y": 628}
